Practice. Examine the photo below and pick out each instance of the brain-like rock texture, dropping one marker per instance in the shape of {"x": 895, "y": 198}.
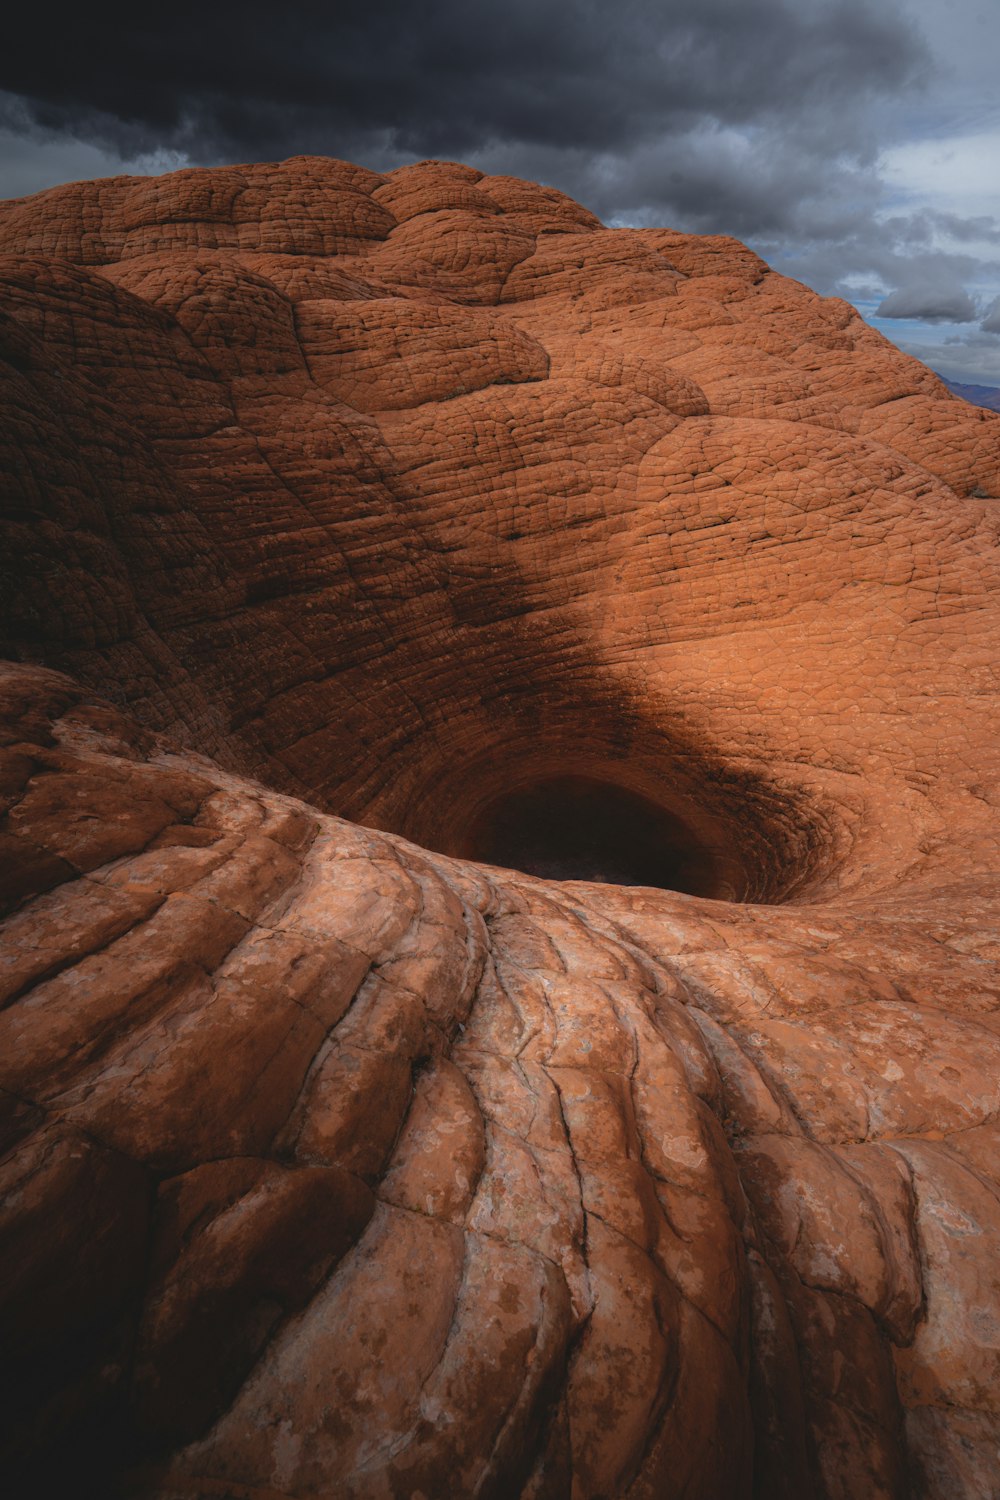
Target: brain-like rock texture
{"x": 500, "y": 836}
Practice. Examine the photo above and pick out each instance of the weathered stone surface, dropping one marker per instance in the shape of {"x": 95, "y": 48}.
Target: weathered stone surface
{"x": 338, "y": 1160}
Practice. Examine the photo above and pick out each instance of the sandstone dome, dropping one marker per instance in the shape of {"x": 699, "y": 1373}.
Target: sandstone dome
{"x": 500, "y": 784}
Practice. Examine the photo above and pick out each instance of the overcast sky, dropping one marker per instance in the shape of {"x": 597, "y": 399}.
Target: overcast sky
{"x": 854, "y": 143}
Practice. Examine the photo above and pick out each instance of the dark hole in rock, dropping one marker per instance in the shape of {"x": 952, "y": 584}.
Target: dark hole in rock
{"x": 577, "y": 828}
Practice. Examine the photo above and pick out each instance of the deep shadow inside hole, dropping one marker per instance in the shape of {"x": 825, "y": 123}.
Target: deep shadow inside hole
{"x": 576, "y": 828}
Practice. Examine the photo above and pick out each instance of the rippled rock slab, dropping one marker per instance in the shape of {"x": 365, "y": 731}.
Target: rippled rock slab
{"x": 366, "y": 536}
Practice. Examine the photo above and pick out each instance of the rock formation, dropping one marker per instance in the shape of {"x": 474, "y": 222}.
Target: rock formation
{"x": 500, "y": 782}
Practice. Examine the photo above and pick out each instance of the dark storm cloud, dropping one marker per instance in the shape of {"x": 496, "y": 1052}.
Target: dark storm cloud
{"x": 973, "y": 360}
{"x": 931, "y": 304}
{"x": 401, "y": 78}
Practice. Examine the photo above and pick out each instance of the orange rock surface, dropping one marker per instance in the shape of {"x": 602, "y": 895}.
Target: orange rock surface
{"x": 500, "y": 776}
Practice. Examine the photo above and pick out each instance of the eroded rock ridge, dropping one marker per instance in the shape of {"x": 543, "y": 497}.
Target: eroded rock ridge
{"x": 362, "y": 531}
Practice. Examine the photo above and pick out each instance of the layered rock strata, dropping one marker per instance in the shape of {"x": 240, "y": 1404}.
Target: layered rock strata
{"x": 362, "y": 531}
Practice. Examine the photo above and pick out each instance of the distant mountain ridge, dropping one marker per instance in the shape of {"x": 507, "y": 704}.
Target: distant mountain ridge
{"x": 979, "y": 395}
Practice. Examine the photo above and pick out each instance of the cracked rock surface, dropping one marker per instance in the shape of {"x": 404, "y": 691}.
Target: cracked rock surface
{"x": 339, "y": 510}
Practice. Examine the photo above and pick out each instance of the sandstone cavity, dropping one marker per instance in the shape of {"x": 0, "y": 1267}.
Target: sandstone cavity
{"x": 500, "y": 843}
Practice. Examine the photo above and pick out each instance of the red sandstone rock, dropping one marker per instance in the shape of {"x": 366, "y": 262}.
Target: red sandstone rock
{"x": 338, "y": 1165}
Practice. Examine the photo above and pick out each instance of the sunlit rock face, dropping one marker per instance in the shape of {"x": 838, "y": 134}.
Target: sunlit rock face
{"x": 500, "y": 770}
